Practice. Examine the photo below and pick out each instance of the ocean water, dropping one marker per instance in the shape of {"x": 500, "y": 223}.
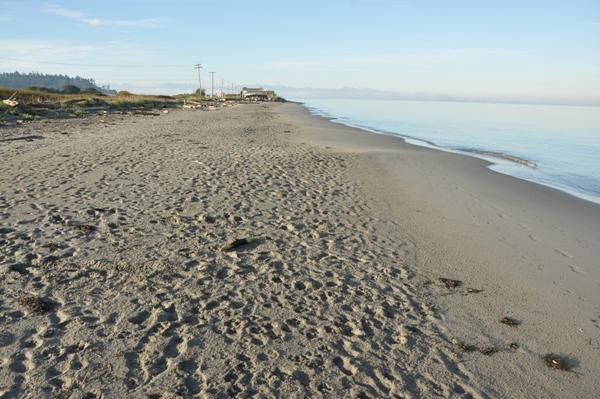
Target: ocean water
{"x": 558, "y": 146}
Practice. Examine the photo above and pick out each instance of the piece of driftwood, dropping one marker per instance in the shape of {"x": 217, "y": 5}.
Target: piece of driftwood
{"x": 146, "y": 113}
{"x": 42, "y": 106}
{"x": 98, "y": 108}
{"x": 12, "y": 100}
{"x": 22, "y": 138}
{"x": 10, "y": 103}
{"x": 236, "y": 243}
{"x": 185, "y": 106}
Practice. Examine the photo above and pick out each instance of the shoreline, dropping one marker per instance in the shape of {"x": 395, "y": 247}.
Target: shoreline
{"x": 123, "y": 231}
{"x": 490, "y": 156}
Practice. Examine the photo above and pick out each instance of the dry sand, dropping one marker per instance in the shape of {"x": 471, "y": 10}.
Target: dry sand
{"x": 116, "y": 227}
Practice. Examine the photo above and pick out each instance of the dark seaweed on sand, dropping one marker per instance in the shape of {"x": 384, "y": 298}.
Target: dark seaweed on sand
{"x": 467, "y": 348}
{"x": 84, "y": 228}
{"x": 50, "y": 246}
{"x": 556, "y": 363}
{"x": 509, "y": 322}
{"x": 489, "y": 351}
{"x": 36, "y": 304}
{"x": 448, "y": 282}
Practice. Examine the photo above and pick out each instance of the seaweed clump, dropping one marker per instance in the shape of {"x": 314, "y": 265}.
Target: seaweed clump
{"x": 449, "y": 283}
{"x": 509, "y": 322}
{"x": 35, "y": 304}
{"x": 556, "y": 363}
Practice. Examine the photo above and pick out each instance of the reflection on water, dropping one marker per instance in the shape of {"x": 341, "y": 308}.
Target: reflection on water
{"x": 563, "y": 142}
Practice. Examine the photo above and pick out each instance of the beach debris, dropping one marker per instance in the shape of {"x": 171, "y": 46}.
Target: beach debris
{"x": 50, "y": 246}
{"x": 509, "y": 322}
{"x": 449, "y": 283}
{"x": 84, "y": 228}
{"x": 236, "y": 243}
{"x": 473, "y": 291}
{"x": 490, "y": 350}
{"x": 556, "y": 363}
{"x": 35, "y": 304}
{"x": 466, "y": 348}
{"x": 12, "y": 101}
{"x": 514, "y": 346}
{"x": 145, "y": 113}
{"x": 28, "y": 138}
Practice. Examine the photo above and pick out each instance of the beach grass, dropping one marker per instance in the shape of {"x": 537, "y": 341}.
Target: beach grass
{"x": 123, "y": 100}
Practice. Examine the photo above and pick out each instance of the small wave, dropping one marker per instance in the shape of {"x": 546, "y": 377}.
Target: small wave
{"x": 505, "y": 156}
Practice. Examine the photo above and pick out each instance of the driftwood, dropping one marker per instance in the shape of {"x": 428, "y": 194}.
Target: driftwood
{"x": 22, "y": 138}
{"x": 43, "y": 105}
{"x": 236, "y": 243}
{"x": 145, "y": 113}
{"x": 12, "y": 100}
{"x": 98, "y": 108}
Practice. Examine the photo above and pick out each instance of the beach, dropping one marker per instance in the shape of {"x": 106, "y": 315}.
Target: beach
{"x": 363, "y": 266}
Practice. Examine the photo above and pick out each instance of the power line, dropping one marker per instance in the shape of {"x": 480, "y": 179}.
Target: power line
{"x": 213, "y": 84}
{"x": 199, "y": 66}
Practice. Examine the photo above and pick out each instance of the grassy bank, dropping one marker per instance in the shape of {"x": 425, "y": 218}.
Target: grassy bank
{"x": 70, "y": 103}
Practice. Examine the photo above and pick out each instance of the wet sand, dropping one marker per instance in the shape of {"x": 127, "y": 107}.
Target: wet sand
{"x": 338, "y": 292}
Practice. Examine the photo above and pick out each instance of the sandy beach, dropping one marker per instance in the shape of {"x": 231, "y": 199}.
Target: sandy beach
{"x": 367, "y": 267}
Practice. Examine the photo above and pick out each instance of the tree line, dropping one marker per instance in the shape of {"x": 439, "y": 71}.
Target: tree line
{"x": 48, "y": 82}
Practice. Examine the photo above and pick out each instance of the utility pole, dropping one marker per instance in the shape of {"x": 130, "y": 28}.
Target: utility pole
{"x": 222, "y": 92}
{"x": 213, "y": 83}
{"x": 198, "y": 67}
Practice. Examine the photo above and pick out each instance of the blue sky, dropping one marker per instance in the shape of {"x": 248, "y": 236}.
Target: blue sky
{"x": 516, "y": 49}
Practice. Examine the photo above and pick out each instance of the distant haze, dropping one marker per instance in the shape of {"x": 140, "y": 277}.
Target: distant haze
{"x": 296, "y": 93}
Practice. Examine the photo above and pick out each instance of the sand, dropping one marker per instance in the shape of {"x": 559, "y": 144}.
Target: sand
{"x": 113, "y": 283}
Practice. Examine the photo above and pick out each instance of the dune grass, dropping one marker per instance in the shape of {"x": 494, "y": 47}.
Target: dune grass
{"x": 121, "y": 100}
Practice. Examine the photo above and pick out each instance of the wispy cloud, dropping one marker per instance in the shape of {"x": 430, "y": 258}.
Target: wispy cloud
{"x": 30, "y": 53}
{"x": 82, "y": 17}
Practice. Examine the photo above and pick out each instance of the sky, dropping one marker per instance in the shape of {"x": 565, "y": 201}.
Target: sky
{"x": 504, "y": 49}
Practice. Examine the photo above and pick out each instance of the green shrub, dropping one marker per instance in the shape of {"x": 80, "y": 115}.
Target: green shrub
{"x": 71, "y": 89}
{"x": 90, "y": 90}
{"x": 43, "y": 89}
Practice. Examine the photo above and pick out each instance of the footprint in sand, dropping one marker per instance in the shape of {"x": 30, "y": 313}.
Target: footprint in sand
{"x": 564, "y": 253}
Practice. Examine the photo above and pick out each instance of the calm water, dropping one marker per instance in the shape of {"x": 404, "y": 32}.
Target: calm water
{"x": 562, "y": 141}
